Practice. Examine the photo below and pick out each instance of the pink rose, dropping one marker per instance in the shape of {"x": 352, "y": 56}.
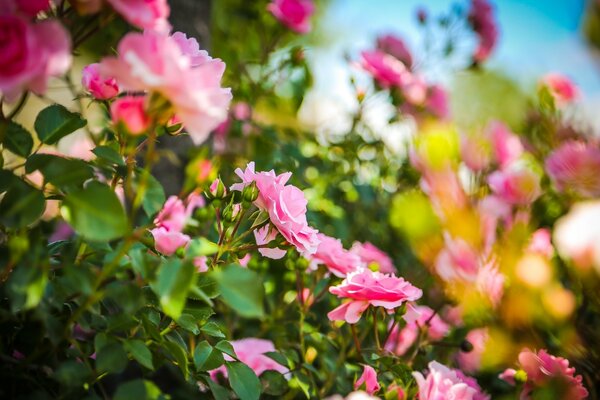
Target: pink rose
{"x": 541, "y": 243}
{"x": 265, "y": 235}
{"x": 517, "y": 184}
{"x": 476, "y": 151}
{"x": 561, "y": 87}
{"x": 201, "y": 263}
{"x": 371, "y": 255}
{"x": 546, "y": 370}
{"x": 251, "y": 352}
{"x": 369, "y": 379}
{"x": 365, "y": 287}
{"x": 30, "y": 54}
{"x": 576, "y": 235}
{"x": 574, "y": 166}
{"x": 168, "y": 242}
{"x": 155, "y": 62}
{"x": 395, "y": 47}
{"x": 470, "y": 362}
{"x": 30, "y": 8}
{"x": 295, "y": 14}
{"x": 506, "y": 145}
{"x": 417, "y": 318}
{"x": 101, "y": 88}
{"x": 332, "y": 254}
{"x": 437, "y": 102}
{"x": 387, "y": 70}
{"x": 490, "y": 283}
{"x": 445, "y": 383}
{"x": 144, "y": 14}
{"x": 457, "y": 261}
{"x": 130, "y": 113}
{"x": 191, "y": 48}
{"x": 481, "y": 18}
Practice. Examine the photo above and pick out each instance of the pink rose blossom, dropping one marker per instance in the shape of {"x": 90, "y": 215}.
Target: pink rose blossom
{"x": 470, "y": 362}
{"x": 575, "y": 166}
{"x": 332, "y": 254}
{"x": 490, "y": 283}
{"x": 437, "y": 102}
{"x": 387, "y": 70}
{"x": 541, "y": 243}
{"x": 481, "y": 18}
{"x": 505, "y": 144}
{"x": 30, "y": 8}
{"x": 168, "y": 242}
{"x": 508, "y": 376}
{"x": 193, "y": 201}
{"x": 155, "y": 62}
{"x": 365, "y": 287}
{"x": 546, "y": 370}
{"x": 285, "y": 204}
{"x": 251, "y": 352}
{"x": 144, "y": 14}
{"x": 561, "y": 87}
{"x": 418, "y": 318}
{"x": 369, "y": 379}
{"x": 517, "y": 184}
{"x": 130, "y": 113}
{"x": 476, "y": 151}
{"x": 101, "y": 88}
{"x": 395, "y": 47}
{"x": 191, "y": 48}
{"x": 172, "y": 216}
{"x": 295, "y": 14}
{"x": 265, "y": 235}
{"x": 31, "y": 53}
{"x": 444, "y": 383}
{"x": 241, "y": 111}
{"x": 457, "y": 261}
{"x": 201, "y": 264}
{"x": 371, "y": 255}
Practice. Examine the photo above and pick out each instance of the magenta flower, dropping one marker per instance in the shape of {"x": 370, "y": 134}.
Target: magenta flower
{"x": 130, "y": 113}
{"x": 365, "y": 287}
{"x": 31, "y": 53}
{"x": 517, "y": 184}
{"x": 370, "y": 255}
{"x": 369, "y": 379}
{"x": 417, "y": 318}
{"x": 101, "y": 88}
{"x": 29, "y": 8}
{"x": 575, "y": 166}
{"x": 144, "y": 14}
{"x": 437, "y": 102}
{"x": 395, "y": 47}
{"x": 444, "y": 383}
{"x": 481, "y": 18}
{"x": 168, "y": 242}
{"x": 155, "y": 63}
{"x": 561, "y": 87}
{"x": 295, "y": 14}
{"x": 332, "y": 254}
{"x": 546, "y": 370}
{"x": 387, "y": 70}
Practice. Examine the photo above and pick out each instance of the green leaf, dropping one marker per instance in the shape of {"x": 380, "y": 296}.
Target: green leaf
{"x": 217, "y": 390}
{"x": 273, "y": 383}
{"x": 173, "y": 284}
{"x": 109, "y": 154}
{"x": 140, "y": 352}
{"x": 95, "y": 213}
{"x": 212, "y": 329}
{"x": 17, "y": 139}
{"x": 7, "y": 179}
{"x": 72, "y": 373}
{"x": 242, "y": 290}
{"x": 188, "y": 322}
{"x": 22, "y": 204}
{"x": 55, "y": 122}
{"x": 201, "y": 247}
{"x": 60, "y": 171}
{"x": 111, "y": 358}
{"x": 138, "y": 389}
{"x": 278, "y": 358}
{"x": 226, "y": 348}
{"x": 154, "y": 197}
{"x": 243, "y": 380}
{"x": 179, "y": 355}
{"x": 207, "y": 357}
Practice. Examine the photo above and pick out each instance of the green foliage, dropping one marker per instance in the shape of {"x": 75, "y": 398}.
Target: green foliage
{"x": 16, "y": 138}
{"x": 243, "y": 380}
{"x": 55, "y": 122}
{"x": 242, "y": 290}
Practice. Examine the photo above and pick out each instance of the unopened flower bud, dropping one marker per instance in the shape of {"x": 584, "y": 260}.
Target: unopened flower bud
{"x": 250, "y": 192}
{"x": 217, "y": 190}
{"x": 174, "y": 126}
{"x": 231, "y": 212}
{"x": 129, "y": 114}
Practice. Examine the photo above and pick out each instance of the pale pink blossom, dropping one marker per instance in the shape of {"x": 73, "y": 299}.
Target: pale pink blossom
{"x": 332, "y": 254}
{"x": 155, "y": 62}
{"x": 245, "y": 260}
{"x": 241, "y": 111}
{"x": 490, "y": 282}
{"x": 31, "y": 53}
{"x": 470, "y": 362}
{"x": 365, "y": 287}
{"x": 295, "y": 14}
{"x": 251, "y": 352}
{"x": 387, "y": 70}
{"x": 172, "y": 216}
{"x": 264, "y": 236}
{"x": 191, "y": 48}
{"x": 561, "y": 87}
{"x": 418, "y": 318}
{"x": 395, "y": 46}
{"x": 476, "y": 151}
{"x": 443, "y": 383}
{"x": 481, "y": 18}
{"x": 457, "y": 261}
{"x": 371, "y": 255}
{"x": 144, "y": 14}
{"x": 508, "y": 375}
{"x": 540, "y": 243}
{"x": 285, "y": 204}
{"x": 437, "y": 102}
{"x": 546, "y": 370}
{"x": 369, "y": 379}
{"x": 492, "y": 210}
{"x": 193, "y": 201}
{"x": 129, "y": 112}
{"x": 506, "y": 145}
{"x": 201, "y": 263}
{"x": 101, "y": 88}
{"x": 517, "y": 184}
{"x": 168, "y": 242}
{"x": 575, "y": 166}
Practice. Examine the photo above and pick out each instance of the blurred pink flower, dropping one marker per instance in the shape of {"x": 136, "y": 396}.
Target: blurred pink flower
{"x": 517, "y": 184}
{"x": 481, "y": 18}
{"x": 457, "y": 261}
{"x": 365, "y": 287}
{"x": 505, "y": 144}
{"x": 576, "y": 235}
{"x": 369, "y": 254}
{"x": 387, "y": 70}
{"x": 194, "y": 200}
{"x": 265, "y": 235}
{"x": 332, "y": 254}
{"x": 31, "y": 53}
{"x": 470, "y": 362}
{"x": 130, "y": 113}
{"x": 191, "y": 48}
{"x": 475, "y": 151}
{"x": 369, "y": 379}
{"x": 144, "y": 14}
{"x": 168, "y": 242}
{"x": 241, "y": 111}
{"x": 575, "y": 166}
{"x": 101, "y": 88}
{"x": 546, "y": 370}
{"x": 490, "y": 282}
{"x": 295, "y": 14}
{"x": 172, "y": 216}
{"x": 541, "y": 243}
{"x": 445, "y": 383}
{"x": 418, "y": 318}
{"x": 155, "y": 62}
{"x": 561, "y": 87}
{"x": 29, "y": 8}
{"x": 437, "y": 102}
{"x": 201, "y": 264}
{"x": 395, "y": 46}
{"x": 285, "y": 204}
